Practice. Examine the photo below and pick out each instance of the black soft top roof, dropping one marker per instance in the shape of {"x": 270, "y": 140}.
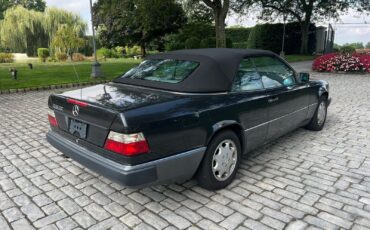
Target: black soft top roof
{"x": 215, "y": 73}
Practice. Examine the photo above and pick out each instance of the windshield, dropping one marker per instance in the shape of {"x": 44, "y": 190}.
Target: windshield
{"x": 162, "y": 70}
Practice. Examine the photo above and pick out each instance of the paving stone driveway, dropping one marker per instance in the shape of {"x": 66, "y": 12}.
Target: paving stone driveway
{"x": 303, "y": 180}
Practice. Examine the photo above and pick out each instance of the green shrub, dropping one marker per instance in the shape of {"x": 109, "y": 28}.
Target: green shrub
{"x": 198, "y": 30}
{"x": 3, "y": 49}
{"x": 43, "y": 54}
{"x": 6, "y": 58}
{"x": 174, "y": 45}
{"x": 104, "y": 53}
{"x": 61, "y": 56}
{"x": 229, "y": 43}
{"x": 208, "y": 43}
{"x": 192, "y": 43}
{"x": 240, "y": 45}
{"x": 120, "y": 51}
{"x": 347, "y": 49}
{"x": 51, "y": 59}
{"x": 132, "y": 51}
{"x": 173, "y": 42}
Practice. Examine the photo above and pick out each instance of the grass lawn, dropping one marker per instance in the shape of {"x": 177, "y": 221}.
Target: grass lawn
{"x": 297, "y": 58}
{"x": 44, "y": 74}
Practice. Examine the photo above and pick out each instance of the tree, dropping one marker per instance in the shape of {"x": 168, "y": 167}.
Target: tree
{"x": 356, "y": 45}
{"x": 4, "y": 5}
{"x": 197, "y": 12}
{"x": 25, "y": 30}
{"x": 220, "y": 9}
{"x": 367, "y": 45}
{"x": 67, "y": 40}
{"x": 37, "y": 5}
{"x": 129, "y": 22}
{"x": 303, "y": 11}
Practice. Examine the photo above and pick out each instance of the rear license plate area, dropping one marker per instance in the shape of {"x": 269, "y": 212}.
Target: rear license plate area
{"x": 77, "y": 128}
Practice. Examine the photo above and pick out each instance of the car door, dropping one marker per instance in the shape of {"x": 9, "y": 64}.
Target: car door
{"x": 286, "y": 97}
{"x": 251, "y": 103}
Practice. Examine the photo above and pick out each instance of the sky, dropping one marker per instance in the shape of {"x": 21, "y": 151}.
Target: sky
{"x": 344, "y": 33}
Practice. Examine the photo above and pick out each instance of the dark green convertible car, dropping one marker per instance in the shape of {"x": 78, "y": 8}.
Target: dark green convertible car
{"x": 185, "y": 114}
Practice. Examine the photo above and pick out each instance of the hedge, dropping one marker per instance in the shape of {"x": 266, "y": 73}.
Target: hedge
{"x": 208, "y": 43}
{"x": 6, "y": 58}
{"x": 238, "y": 35}
{"x": 263, "y": 36}
{"x": 269, "y": 37}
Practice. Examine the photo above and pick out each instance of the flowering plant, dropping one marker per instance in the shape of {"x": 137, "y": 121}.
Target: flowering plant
{"x": 334, "y": 62}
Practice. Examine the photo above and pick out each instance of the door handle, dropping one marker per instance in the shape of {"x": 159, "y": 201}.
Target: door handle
{"x": 271, "y": 100}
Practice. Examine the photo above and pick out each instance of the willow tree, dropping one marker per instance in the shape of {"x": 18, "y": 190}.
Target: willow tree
{"x": 54, "y": 18}
{"x": 22, "y": 30}
{"x": 67, "y": 40}
{"x": 26, "y": 30}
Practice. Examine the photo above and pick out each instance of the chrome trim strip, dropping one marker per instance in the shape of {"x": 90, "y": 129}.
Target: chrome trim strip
{"x": 275, "y": 119}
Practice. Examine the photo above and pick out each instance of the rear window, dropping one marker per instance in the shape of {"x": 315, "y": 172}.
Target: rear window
{"x": 162, "y": 70}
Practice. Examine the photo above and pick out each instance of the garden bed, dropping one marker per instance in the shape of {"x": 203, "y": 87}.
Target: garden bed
{"x": 342, "y": 63}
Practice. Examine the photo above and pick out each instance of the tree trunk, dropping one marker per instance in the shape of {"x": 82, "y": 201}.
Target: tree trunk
{"x": 69, "y": 54}
{"x": 305, "y": 26}
{"x": 143, "y": 49}
{"x": 220, "y": 29}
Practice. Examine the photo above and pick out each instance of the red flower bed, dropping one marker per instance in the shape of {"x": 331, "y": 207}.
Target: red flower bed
{"x": 342, "y": 63}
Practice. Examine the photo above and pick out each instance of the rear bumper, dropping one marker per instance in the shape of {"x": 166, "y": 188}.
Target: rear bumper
{"x": 179, "y": 167}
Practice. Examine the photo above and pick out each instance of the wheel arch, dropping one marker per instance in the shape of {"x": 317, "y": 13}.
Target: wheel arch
{"x": 324, "y": 91}
{"x": 228, "y": 125}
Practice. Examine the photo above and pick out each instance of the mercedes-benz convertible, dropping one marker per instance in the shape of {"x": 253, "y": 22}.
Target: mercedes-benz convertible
{"x": 185, "y": 114}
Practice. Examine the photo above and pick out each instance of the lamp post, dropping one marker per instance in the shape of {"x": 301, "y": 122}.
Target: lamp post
{"x": 96, "y": 71}
{"x": 282, "y": 53}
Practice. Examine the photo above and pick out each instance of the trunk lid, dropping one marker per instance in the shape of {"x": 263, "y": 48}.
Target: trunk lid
{"x": 103, "y": 105}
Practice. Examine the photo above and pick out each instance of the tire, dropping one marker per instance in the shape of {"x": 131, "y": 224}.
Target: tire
{"x": 212, "y": 177}
{"x": 318, "y": 120}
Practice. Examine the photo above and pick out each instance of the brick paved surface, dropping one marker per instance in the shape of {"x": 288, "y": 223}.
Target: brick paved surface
{"x": 303, "y": 180}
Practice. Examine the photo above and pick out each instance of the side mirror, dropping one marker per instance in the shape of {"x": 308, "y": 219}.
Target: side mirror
{"x": 305, "y": 77}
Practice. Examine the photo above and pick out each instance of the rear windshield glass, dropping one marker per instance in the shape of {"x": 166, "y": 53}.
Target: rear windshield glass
{"x": 163, "y": 70}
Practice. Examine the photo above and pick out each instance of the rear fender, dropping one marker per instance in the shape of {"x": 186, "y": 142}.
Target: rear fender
{"x": 229, "y": 124}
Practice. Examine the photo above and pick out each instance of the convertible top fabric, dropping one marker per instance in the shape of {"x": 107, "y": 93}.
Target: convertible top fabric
{"x": 215, "y": 73}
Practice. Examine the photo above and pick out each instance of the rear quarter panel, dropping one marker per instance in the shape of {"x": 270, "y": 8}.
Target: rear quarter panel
{"x": 172, "y": 127}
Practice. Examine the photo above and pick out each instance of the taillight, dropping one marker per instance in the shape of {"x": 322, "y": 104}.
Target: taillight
{"x": 52, "y": 120}
{"x": 126, "y": 144}
{"x": 76, "y": 102}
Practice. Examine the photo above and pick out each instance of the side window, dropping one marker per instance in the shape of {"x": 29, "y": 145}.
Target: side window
{"x": 247, "y": 78}
{"x": 274, "y": 73}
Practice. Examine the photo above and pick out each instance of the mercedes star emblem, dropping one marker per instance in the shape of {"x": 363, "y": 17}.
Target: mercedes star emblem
{"x": 75, "y": 110}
